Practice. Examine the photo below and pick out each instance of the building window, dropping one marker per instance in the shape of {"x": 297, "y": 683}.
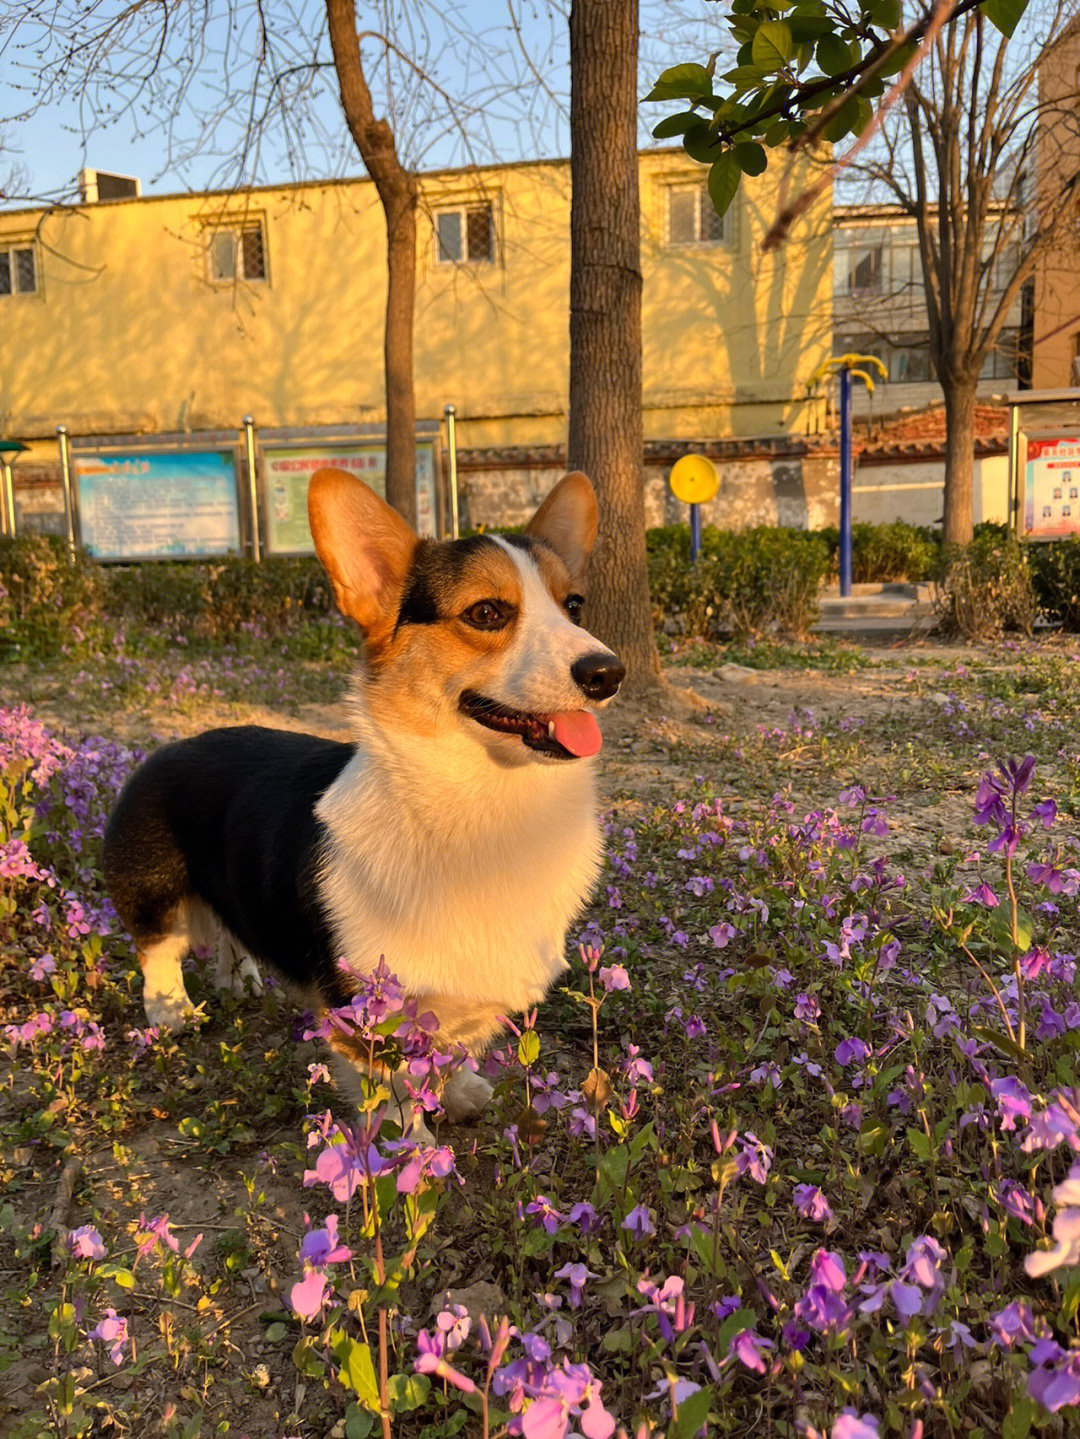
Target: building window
{"x": 238, "y": 252}
{"x": 465, "y": 235}
{"x": 692, "y": 220}
{"x": 18, "y": 270}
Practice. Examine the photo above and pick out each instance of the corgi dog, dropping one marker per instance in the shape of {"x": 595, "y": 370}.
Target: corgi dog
{"x": 456, "y": 834}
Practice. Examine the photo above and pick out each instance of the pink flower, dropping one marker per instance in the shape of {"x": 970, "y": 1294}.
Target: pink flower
{"x": 112, "y": 1331}
{"x": 614, "y": 976}
{"x": 308, "y": 1296}
{"x": 86, "y": 1243}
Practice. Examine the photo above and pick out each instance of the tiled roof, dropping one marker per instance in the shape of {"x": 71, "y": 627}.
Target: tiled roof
{"x": 921, "y": 434}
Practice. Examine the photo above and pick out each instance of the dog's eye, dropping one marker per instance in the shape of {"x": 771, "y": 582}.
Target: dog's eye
{"x": 574, "y": 604}
{"x": 486, "y": 615}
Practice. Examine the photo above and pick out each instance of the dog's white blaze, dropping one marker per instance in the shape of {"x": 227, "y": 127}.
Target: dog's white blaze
{"x": 535, "y": 675}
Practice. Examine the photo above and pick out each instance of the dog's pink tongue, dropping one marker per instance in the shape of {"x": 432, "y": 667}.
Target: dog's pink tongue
{"x": 577, "y": 731}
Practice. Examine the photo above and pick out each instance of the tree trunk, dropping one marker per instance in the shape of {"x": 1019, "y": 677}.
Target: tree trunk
{"x": 959, "y": 458}
{"x": 398, "y": 192}
{"x": 605, "y": 433}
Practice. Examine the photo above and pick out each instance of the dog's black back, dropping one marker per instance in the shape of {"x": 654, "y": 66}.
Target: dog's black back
{"x": 228, "y": 818}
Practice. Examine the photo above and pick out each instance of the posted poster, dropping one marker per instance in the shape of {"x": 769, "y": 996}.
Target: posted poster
{"x": 287, "y": 473}
{"x": 1052, "y": 488}
{"x": 158, "y": 506}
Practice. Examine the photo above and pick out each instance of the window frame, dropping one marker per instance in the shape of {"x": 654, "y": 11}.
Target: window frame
{"x": 704, "y": 201}
{"x": 234, "y": 228}
{"x": 10, "y": 247}
{"x": 462, "y": 208}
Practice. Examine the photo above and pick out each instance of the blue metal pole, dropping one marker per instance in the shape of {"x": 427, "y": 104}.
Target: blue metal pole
{"x": 845, "y": 481}
{"x": 695, "y": 532}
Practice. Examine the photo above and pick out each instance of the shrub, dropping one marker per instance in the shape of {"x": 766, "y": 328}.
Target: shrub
{"x": 760, "y": 581}
{"x": 221, "y": 598}
{"x": 987, "y": 587}
{"x": 1055, "y": 569}
{"x": 46, "y": 603}
{"x": 880, "y": 553}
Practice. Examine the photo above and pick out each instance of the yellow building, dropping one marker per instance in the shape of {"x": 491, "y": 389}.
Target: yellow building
{"x": 177, "y": 313}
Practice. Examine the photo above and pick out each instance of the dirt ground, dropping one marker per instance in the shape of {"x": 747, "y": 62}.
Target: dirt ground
{"x": 711, "y": 722}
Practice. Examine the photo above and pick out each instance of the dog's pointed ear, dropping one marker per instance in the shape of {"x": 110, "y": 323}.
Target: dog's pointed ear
{"x": 366, "y": 547}
{"x": 567, "y": 521}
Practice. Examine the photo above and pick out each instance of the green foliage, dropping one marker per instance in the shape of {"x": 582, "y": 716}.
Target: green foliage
{"x": 48, "y": 605}
{"x": 813, "y": 67}
{"x": 987, "y": 588}
{"x": 757, "y": 582}
{"x": 897, "y": 551}
{"x": 1055, "y": 572}
{"x": 45, "y": 602}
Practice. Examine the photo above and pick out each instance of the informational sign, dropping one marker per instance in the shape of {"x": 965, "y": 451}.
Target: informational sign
{"x": 287, "y": 473}
{"x": 1052, "y": 488}
{"x": 161, "y": 505}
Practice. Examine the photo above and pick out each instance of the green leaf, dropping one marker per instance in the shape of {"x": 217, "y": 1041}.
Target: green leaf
{"x": 773, "y": 45}
{"x": 702, "y": 144}
{"x": 1018, "y": 1421}
{"x": 358, "y": 1422}
{"x": 123, "y": 1278}
{"x": 408, "y": 1391}
{"x": 681, "y": 82}
{"x": 1000, "y": 1041}
{"x": 833, "y": 56}
{"x": 845, "y": 119}
{"x": 274, "y": 1332}
{"x": 886, "y": 14}
{"x": 750, "y": 157}
{"x": 693, "y": 1414}
{"x": 724, "y": 177}
{"x": 356, "y": 1371}
{"x": 1004, "y": 15}
{"x": 528, "y": 1048}
{"x": 678, "y": 124}
{"x": 920, "y": 1143}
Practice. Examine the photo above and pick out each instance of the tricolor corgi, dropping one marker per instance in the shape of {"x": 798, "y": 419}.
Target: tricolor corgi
{"x": 456, "y": 834}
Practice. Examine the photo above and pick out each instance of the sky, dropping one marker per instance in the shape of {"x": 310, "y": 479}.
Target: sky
{"x": 494, "y": 86}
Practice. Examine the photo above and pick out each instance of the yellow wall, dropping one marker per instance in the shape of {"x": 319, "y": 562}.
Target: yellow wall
{"x": 127, "y": 333}
{"x": 1056, "y": 330}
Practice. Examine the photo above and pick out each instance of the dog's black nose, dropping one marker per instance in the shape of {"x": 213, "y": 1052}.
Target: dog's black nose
{"x": 599, "y": 675}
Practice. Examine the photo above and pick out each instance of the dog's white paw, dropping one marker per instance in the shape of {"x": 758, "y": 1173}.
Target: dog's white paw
{"x": 236, "y": 969}
{"x": 168, "y": 1010}
{"x": 466, "y": 1095}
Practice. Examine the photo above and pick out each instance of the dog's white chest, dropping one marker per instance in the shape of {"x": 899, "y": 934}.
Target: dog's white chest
{"x": 467, "y": 895}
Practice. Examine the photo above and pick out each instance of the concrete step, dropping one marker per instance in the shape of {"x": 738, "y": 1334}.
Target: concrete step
{"x": 886, "y": 609}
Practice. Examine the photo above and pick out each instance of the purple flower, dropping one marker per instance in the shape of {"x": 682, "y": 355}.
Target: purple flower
{"x": 577, "y": 1275}
{"x": 1012, "y": 1324}
{"x": 750, "y": 1349}
{"x": 432, "y": 1360}
{"x": 44, "y": 965}
{"x": 849, "y": 1425}
{"x": 851, "y": 1050}
{"x": 113, "y": 1332}
{"x": 545, "y": 1213}
{"x": 86, "y": 1243}
{"x": 1013, "y": 1100}
{"x": 754, "y": 1158}
{"x": 320, "y": 1247}
{"x": 639, "y": 1222}
{"x": 807, "y": 1008}
{"x": 1066, "y": 1250}
{"x": 722, "y": 935}
{"x": 812, "y": 1204}
{"x": 668, "y": 1302}
{"x": 1057, "y": 1385}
